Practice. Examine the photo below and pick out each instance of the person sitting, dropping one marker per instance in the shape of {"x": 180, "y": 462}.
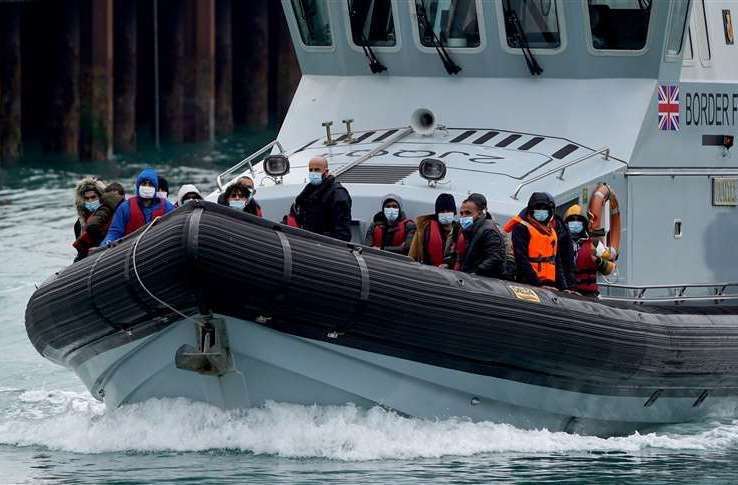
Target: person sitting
{"x": 87, "y": 196}
{"x": 187, "y": 193}
{"x": 535, "y": 243}
{"x": 590, "y": 258}
{"x": 437, "y": 234}
{"x": 390, "y": 230}
{"x": 139, "y": 210}
{"x": 162, "y": 192}
{"x": 483, "y": 250}
{"x": 99, "y": 222}
{"x": 324, "y": 205}
{"x": 240, "y": 195}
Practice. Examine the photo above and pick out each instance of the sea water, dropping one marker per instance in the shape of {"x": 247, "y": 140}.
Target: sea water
{"x": 53, "y": 431}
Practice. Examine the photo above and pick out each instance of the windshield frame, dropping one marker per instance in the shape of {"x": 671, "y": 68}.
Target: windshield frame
{"x": 656, "y": 7}
{"x": 296, "y": 33}
{"x": 376, "y": 48}
{"x": 456, "y": 50}
{"x": 543, "y": 51}
{"x": 678, "y": 57}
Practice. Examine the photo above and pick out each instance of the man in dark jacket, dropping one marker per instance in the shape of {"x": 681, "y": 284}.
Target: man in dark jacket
{"x": 390, "y": 229}
{"x": 484, "y": 245}
{"x": 324, "y": 206}
{"x": 98, "y": 223}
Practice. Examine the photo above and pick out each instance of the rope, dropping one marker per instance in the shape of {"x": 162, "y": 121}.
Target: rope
{"x": 140, "y": 282}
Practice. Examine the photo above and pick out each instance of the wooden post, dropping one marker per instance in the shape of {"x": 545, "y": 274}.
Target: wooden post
{"x": 223, "y": 68}
{"x": 101, "y": 52}
{"x": 64, "y": 102}
{"x": 251, "y": 63}
{"x": 172, "y": 68}
{"x": 204, "y": 63}
{"x": 124, "y": 65}
{"x": 10, "y": 82}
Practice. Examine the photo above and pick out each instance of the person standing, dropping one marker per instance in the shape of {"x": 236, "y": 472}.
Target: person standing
{"x": 390, "y": 229}
{"x": 590, "y": 258}
{"x": 324, "y": 205}
{"x": 140, "y": 209}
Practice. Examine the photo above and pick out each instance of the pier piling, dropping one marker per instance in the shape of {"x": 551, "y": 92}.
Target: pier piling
{"x": 10, "y": 82}
{"x": 126, "y": 71}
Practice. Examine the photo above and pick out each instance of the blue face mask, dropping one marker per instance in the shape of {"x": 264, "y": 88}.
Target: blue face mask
{"x": 315, "y": 178}
{"x": 575, "y": 227}
{"x": 391, "y": 213}
{"x": 445, "y": 217}
{"x": 466, "y": 222}
{"x": 237, "y": 204}
{"x": 92, "y": 206}
{"x": 541, "y": 215}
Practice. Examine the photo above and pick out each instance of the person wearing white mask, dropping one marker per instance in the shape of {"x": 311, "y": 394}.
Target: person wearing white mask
{"x": 324, "y": 205}
{"x": 436, "y": 234}
{"x": 240, "y": 196}
{"x": 483, "y": 249}
{"x": 139, "y": 210}
{"x": 390, "y": 230}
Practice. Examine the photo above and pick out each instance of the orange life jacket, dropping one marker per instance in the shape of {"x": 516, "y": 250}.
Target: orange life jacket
{"x": 541, "y": 248}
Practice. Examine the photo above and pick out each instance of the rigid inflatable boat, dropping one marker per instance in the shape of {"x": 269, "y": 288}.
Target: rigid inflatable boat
{"x": 247, "y": 310}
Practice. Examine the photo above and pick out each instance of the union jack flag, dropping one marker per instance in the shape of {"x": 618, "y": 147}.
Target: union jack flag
{"x": 669, "y": 108}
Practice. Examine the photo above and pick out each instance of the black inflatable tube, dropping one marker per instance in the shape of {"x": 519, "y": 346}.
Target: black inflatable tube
{"x": 205, "y": 257}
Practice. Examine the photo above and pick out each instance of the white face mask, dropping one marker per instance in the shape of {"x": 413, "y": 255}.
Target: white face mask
{"x": 446, "y": 217}
{"x": 146, "y": 192}
{"x": 162, "y": 195}
{"x": 391, "y": 213}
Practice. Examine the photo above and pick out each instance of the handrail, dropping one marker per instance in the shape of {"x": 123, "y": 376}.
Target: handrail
{"x": 248, "y": 160}
{"x": 562, "y": 169}
{"x": 667, "y": 286}
{"x": 676, "y": 300}
{"x": 718, "y": 295}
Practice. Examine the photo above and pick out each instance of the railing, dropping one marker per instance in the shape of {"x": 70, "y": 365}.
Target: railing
{"x": 717, "y": 290}
{"x": 248, "y": 161}
{"x": 562, "y": 169}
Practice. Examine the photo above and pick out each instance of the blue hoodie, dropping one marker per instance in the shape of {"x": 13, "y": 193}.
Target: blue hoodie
{"x": 118, "y": 226}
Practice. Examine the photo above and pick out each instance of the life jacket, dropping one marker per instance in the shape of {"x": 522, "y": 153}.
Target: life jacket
{"x": 541, "y": 249}
{"x": 291, "y": 220}
{"x": 136, "y": 217}
{"x": 253, "y": 208}
{"x": 435, "y": 247}
{"x": 460, "y": 249}
{"x": 398, "y": 238}
{"x": 586, "y": 269}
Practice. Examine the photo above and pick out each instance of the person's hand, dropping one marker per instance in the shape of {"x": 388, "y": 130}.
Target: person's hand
{"x": 443, "y": 266}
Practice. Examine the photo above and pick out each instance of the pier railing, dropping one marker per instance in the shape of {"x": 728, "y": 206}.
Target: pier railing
{"x": 562, "y": 168}
{"x": 672, "y": 293}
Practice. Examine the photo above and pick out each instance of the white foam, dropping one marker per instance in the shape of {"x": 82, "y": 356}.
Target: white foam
{"x": 75, "y": 422}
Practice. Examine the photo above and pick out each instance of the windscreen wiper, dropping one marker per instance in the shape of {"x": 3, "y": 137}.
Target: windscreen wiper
{"x": 451, "y": 67}
{"x": 512, "y": 24}
{"x": 374, "y": 65}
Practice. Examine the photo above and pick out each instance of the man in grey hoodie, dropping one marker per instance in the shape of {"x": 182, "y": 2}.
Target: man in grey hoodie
{"x": 390, "y": 229}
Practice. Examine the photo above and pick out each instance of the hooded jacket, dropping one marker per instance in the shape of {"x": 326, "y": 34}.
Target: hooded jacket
{"x": 485, "y": 249}
{"x": 325, "y": 209}
{"x": 120, "y": 220}
{"x": 390, "y": 228}
{"x": 84, "y": 185}
{"x": 97, "y": 224}
{"x": 184, "y": 190}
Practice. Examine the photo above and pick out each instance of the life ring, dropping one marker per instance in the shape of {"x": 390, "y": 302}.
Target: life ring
{"x": 600, "y": 197}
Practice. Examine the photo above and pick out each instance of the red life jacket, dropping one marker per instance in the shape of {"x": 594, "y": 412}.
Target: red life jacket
{"x": 136, "y": 217}
{"x": 291, "y": 220}
{"x": 398, "y": 238}
{"x": 435, "y": 246}
{"x": 460, "y": 249}
{"x": 586, "y": 272}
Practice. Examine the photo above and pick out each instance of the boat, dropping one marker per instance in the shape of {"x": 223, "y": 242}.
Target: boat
{"x": 624, "y": 107}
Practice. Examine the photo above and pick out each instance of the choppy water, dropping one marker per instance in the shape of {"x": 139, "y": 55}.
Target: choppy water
{"x": 52, "y": 431}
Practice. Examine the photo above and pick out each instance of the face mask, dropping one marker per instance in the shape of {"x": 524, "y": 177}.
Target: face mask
{"x": 446, "y": 217}
{"x": 466, "y": 222}
{"x": 391, "y": 213}
{"x": 575, "y": 227}
{"x": 146, "y": 192}
{"x": 161, "y": 195}
{"x": 92, "y": 206}
{"x": 237, "y": 204}
{"x": 541, "y": 215}
{"x": 315, "y": 178}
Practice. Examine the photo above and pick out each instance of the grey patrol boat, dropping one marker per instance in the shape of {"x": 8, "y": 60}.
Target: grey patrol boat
{"x": 627, "y": 107}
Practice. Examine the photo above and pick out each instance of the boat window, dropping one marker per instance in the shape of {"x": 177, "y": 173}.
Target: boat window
{"x": 619, "y": 24}
{"x": 372, "y": 23}
{"x": 538, "y": 20}
{"x": 454, "y": 22}
{"x": 678, "y": 26}
{"x": 705, "y": 54}
{"x": 312, "y": 21}
{"x": 689, "y": 54}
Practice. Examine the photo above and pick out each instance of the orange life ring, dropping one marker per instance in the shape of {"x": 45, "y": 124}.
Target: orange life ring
{"x": 600, "y": 196}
